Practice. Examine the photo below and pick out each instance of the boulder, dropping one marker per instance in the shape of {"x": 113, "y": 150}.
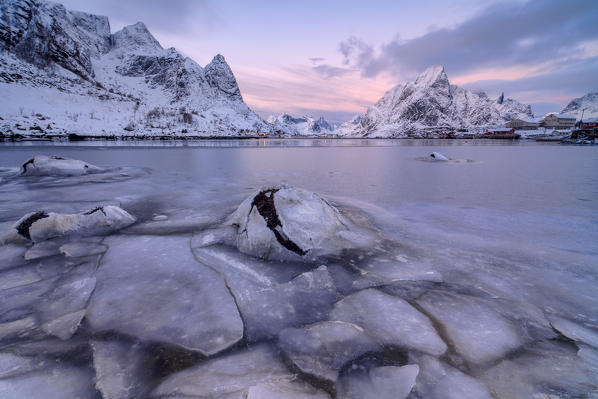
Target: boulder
{"x": 436, "y": 156}
{"x": 43, "y": 165}
{"x": 40, "y": 226}
{"x": 282, "y": 222}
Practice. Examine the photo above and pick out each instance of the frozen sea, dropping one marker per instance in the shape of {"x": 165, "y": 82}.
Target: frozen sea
{"x": 482, "y": 281}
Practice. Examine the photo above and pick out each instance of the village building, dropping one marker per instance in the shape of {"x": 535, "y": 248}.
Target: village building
{"x": 558, "y": 121}
{"x": 524, "y": 124}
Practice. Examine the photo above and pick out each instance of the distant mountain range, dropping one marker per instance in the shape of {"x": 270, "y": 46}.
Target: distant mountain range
{"x": 64, "y": 72}
{"x": 304, "y": 126}
{"x": 586, "y": 105}
{"x": 432, "y": 102}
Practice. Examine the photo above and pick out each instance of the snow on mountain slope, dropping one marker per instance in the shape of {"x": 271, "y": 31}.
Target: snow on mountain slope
{"x": 589, "y": 103}
{"x": 305, "y": 126}
{"x": 432, "y": 102}
{"x": 64, "y": 72}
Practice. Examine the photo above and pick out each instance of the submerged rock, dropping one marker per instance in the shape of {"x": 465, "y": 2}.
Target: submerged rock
{"x": 43, "y": 165}
{"x": 388, "y": 382}
{"x": 436, "y": 156}
{"x": 323, "y": 348}
{"x": 283, "y": 222}
{"x": 389, "y": 320}
{"x": 40, "y": 226}
{"x": 152, "y": 288}
{"x": 287, "y": 389}
{"x": 229, "y": 376}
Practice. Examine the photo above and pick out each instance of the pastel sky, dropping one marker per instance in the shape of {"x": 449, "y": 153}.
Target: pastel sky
{"x": 335, "y": 58}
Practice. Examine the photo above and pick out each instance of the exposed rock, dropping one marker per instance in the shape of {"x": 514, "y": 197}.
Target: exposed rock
{"x": 436, "y": 156}
{"x": 389, "y": 320}
{"x": 323, "y": 348}
{"x": 42, "y": 165}
{"x": 282, "y": 222}
{"x": 575, "y": 331}
{"x": 150, "y": 287}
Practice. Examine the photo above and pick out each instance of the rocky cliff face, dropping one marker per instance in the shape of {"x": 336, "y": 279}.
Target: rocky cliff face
{"x": 589, "y": 103}
{"x": 432, "y": 102}
{"x": 65, "y": 72}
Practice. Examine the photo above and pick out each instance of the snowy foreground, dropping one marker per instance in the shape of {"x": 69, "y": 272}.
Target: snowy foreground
{"x": 282, "y": 294}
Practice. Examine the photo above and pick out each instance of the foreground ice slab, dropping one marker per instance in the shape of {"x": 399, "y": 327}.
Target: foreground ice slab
{"x": 479, "y": 333}
{"x": 389, "y": 320}
{"x": 287, "y": 389}
{"x": 56, "y": 381}
{"x": 323, "y": 348}
{"x": 152, "y": 288}
{"x": 122, "y": 369}
{"x": 438, "y": 380}
{"x": 39, "y": 226}
{"x": 282, "y": 222}
{"x": 269, "y": 296}
{"x": 387, "y": 382}
{"x": 43, "y": 165}
{"x": 229, "y": 376}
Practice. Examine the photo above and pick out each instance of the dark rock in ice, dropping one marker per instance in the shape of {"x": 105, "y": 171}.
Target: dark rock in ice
{"x": 152, "y": 288}
{"x": 389, "y": 320}
{"x": 122, "y": 369}
{"x": 43, "y": 165}
{"x": 282, "y": 222}
{"x": 39, "y": 226}
{"x": 322, "y": 349}
{"x": 228, "y": 376}
{"x": 575, "y": 331}
{"x": 388, "y": 382}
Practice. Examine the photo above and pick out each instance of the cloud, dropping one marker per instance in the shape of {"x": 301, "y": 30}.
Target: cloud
{"x": 329, "y": 71}
{"x": 177, "y": 16}
{"x": 511, "y": 34}
{"x": 317, "y": 60}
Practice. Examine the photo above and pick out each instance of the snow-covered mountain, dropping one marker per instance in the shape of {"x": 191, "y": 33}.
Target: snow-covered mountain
{"x": 589, "y": 103}
{"x": 65, "y": 72}
{"x": 432, "y": 102}
{"x": 304, "y": 126}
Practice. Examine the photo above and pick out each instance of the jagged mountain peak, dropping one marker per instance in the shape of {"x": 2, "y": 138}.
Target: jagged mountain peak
{"x": 432, "y": 102}
{"x": 219, "y": 75}
{"x": 432, "y": 76}
{"x": 135, "y": 37}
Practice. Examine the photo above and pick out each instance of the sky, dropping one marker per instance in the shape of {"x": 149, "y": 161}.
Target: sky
{"x": 335, "y": 58}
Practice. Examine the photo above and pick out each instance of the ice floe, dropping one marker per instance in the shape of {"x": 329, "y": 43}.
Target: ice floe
{"x": 229, "y": 376}
{"x": 388, "y": 382}
{"x": 389, "y": 320}
{"x": 323, "y": 348}
{"x": 152, "y": 288}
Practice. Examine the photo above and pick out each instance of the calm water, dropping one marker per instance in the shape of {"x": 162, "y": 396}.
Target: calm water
{"x": 515, "y": 222}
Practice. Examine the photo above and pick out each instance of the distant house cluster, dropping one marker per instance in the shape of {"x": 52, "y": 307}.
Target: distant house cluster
{"x": 551, "y": 120}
